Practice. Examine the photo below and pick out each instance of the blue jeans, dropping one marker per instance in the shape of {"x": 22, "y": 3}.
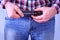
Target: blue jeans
{"x": 19, "y": 29}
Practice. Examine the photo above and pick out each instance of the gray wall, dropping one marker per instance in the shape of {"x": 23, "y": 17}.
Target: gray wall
{"x": 57, "y": 27}
{"x": 3, "y": 13}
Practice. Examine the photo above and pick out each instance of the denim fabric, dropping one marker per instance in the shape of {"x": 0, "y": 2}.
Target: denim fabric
{"x": 19, "y": 29}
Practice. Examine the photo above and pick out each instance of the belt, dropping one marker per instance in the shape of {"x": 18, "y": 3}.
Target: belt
{"x": 28, "y": 12}
{"x": 35, "y": 13}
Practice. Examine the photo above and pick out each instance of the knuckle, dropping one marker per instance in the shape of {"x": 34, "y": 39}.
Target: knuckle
{"x": 44, "y": 18}
{"x": 18, "y": 17}
{"x": 16, "y": 7}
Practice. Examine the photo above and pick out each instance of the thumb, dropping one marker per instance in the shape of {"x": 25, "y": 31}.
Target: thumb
{"x": 37, "y": 17}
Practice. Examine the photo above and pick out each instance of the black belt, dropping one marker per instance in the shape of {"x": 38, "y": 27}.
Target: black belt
{"x": 35, "y": 13}
{"x": 27, "y": 11}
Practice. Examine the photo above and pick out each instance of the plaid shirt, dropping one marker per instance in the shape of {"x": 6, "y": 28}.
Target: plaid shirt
{"x": 32, "y": 4}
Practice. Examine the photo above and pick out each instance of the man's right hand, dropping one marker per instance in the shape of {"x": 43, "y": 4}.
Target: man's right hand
{"x": 12, "y": 10}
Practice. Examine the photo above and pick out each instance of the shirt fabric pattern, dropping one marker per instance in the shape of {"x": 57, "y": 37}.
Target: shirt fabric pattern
{"x": 32, "y": 4}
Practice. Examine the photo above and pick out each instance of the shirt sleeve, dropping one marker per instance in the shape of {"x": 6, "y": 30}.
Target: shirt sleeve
{"x": 56, "y": 4}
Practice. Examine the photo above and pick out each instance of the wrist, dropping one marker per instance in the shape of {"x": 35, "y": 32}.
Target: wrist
{"x": 5, "y": 4}
{"x": 55, "y": 9}
{"x": 8, "y": 3}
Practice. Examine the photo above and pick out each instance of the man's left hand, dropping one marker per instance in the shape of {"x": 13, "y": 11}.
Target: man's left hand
{"x": 48, "y": 13}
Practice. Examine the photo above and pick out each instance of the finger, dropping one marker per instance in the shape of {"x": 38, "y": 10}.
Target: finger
{"x": 37, "y": 17}
{"x": 16, "y": 15}
{"x": 19, "y": 11}
{"x": 39, "y": 21}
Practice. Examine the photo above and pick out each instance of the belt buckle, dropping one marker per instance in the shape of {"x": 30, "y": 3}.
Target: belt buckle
{"x": 37, "y": 13}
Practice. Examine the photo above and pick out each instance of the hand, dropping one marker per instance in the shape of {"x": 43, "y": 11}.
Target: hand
{"x": 12, "y": 9}
{"x": 48, "y": 13}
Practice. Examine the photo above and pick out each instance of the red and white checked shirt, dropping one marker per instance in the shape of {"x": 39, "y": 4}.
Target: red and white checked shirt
{"x": 32, "y": 4}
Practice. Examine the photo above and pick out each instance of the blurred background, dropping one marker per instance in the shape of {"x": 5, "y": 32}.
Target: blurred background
{"x": 2, "y": 22}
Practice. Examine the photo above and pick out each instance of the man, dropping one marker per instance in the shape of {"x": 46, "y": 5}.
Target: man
{"x": 20, "y": 24}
